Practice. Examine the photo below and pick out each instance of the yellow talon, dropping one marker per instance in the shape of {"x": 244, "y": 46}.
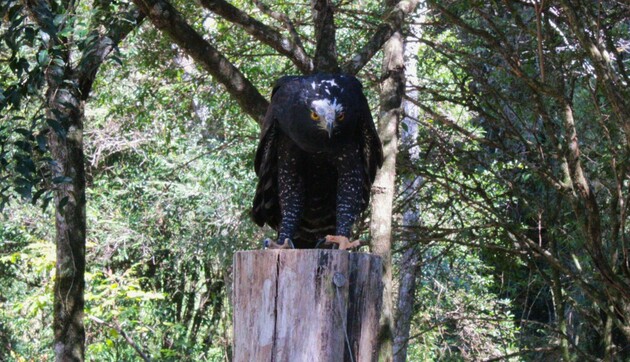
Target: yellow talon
{"x": 343, "y": 242}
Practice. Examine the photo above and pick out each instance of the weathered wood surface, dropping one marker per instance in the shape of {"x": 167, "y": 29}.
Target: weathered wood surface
{"x": 365, "y": 309}
{"x": 306, "y": 305}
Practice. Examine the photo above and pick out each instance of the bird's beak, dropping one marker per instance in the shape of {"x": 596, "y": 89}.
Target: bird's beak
{"x": 330, "y": 123}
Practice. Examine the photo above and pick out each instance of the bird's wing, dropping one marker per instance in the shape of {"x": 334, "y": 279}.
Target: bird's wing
{"x": 272, "y": 110}
{"x": 266, "y": 207}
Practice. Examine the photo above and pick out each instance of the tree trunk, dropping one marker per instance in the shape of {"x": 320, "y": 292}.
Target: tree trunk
{"x": 409, "y": 263}
{"x": 306, "y": 305}
{"x": 406, "y": 299}
{"x": 392, "y": 90}
{"x": 326, "y": 50}
{"x": 66, "y": 146}
{"x": 383, "y": 191}
{"x": 68, "y": 88}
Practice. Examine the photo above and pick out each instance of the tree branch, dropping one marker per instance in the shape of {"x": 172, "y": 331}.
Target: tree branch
{"x": 326, "y": 50}
{"x": 393, "y": 20}
{"x": 168, "y": 20}
{"x": 122, "y": 334}
{"x": 292, "y": 48}
{"x": 94, "y": 55}
{"x": 612, "y": 88}
{"x": 283, "y": 18}
{"x": 369, "y": 49}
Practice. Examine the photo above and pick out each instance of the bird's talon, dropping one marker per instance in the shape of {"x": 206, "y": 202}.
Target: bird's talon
{"x": 270, "y": 244}
{"x": 342, "y": 242}
{"x": 321, "y": 243}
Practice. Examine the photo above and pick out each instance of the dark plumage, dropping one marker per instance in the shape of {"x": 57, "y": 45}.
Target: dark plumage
{"x": 317, "y": 158}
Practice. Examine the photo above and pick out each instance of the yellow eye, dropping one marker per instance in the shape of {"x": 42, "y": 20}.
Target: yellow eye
{"x": 341, "y": 116}
{"x": 314, "y": 116}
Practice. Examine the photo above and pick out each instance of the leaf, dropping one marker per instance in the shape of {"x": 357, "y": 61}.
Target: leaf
{"x": 37, "y": 195}
{"x": 42, "y": 142}
{"x": 45, "y": 202}
{"x": 23, "y": 145}
{"x": 57, "y": 127}
{"x": 62, "y": 203}
{"x": 114, "y": 333}
{"x": 23, "y": 131}
{"x": 59, "y": 18}
{"x": 45, "y": 37}
{"x": 29, "y": 35}
{"x": 62, "y": 180}
{"x": 116, "y": 59}
{"x": 25, "y": 190}
{"x": 42, "y": 57}
{"x": 25, "y": 167}
{"x": 404, "y": 126}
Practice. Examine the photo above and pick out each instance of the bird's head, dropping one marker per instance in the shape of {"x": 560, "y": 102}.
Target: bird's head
{"x": 327, "y": 99}
{"x": 318, "y": 112}
{"x": 327, "y": 113}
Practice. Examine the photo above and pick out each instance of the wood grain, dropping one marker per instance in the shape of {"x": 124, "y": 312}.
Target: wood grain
{"x": 293, "y": 305}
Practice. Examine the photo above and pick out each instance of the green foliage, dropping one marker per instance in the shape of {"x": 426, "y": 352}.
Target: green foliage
{"x": 170, "y": 181}
{"x": 23, "y": 141}
{"x": 27, "y": 261}
{"x": 504, "y": 95}
{"x": 155, "y": 212}
{"x": 458, "y": 314}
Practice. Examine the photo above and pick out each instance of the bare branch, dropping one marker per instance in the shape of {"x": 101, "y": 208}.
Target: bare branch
{"x": 609, "y": 80}
{"x": 290, "y": 47}
{"x": 522, "y": 352}
{"x": 283, "y": 18}
{"x": 392, "y": 21}
{"x": 326, "y": 51}
{"x": 120, "y": 331}
{"x": 168, "y": 20}
{"x": 95, "y": 54}
{"x": 363, "y": 56}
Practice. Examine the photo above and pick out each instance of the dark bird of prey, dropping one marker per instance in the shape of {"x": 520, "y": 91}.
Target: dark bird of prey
{"x": 316, "y": 160}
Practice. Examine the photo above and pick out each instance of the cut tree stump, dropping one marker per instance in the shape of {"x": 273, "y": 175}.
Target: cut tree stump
{"x": 306, "y": 305}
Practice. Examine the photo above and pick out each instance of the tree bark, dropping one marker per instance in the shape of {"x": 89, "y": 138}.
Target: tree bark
{"x": 409, "y": 270}
{"x": 409, "y": 263}
{"x": 326, "y": 50}
{"x": 68, "y": 88}
{"x": 66, "y": 146}
{"x": 383, "y": 190}
{"x": 384, "y": 185}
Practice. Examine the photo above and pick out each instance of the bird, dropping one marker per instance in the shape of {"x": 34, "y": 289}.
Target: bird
{"x": 316, "y": 160}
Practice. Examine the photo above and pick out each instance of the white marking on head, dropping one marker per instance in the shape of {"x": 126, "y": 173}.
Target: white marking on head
{"x": 338, "y": 107}
{"x": 330, "y": 82}
{"x": 324, "y": 106}
{"x": 326, "y": 109}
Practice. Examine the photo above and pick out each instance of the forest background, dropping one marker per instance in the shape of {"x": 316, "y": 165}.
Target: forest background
{"x": 127, "y": 134}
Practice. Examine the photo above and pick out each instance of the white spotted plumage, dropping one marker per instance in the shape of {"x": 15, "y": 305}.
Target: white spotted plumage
{"x": 312, "y": 183}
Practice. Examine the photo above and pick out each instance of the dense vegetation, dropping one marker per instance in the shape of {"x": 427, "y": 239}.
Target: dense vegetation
{"x": 512, "y": 170}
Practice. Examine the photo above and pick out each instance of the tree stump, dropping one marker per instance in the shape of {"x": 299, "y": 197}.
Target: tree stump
{"x": 306, "y": 305}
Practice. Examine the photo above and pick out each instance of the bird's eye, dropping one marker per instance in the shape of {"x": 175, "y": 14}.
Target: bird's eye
{"x": 341, "y": 116}
{"x": 314, "y": 116}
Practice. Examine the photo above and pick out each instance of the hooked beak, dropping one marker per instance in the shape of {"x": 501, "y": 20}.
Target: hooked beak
{"x": 330, "y": 123}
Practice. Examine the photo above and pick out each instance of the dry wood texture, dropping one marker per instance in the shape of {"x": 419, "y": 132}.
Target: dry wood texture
{"x": 306, "y": 305}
